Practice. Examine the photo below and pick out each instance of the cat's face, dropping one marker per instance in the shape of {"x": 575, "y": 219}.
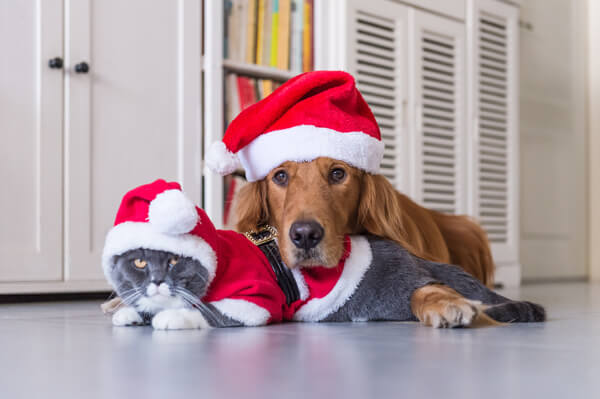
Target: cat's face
{"x": 153, "y": 280}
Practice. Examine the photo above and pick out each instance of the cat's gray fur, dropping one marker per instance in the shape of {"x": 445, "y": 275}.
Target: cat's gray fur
{"x": 385, "y": 290}
{"x": 187, "y": 276}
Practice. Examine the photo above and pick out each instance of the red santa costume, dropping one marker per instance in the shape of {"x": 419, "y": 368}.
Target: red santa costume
{"x": 158, "y": 216}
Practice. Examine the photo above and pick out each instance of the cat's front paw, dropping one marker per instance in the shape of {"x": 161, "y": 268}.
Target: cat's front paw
{"x": 179, "y": 319}
{"x": 127, "y": 316}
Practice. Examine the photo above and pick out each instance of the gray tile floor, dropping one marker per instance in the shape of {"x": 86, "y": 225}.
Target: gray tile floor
{"x": 70, "y": 350}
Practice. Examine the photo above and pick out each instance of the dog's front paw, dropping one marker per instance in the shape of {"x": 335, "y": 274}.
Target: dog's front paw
{"x": 448, "y": 313}
{"x": 179, "y": 319}
{"x": 127, "y": 316}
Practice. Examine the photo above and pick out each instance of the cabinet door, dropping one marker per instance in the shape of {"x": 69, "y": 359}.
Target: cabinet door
{"x": 493, "y": 130}
{"x": 376, "y": 57}
{"x": 437, "y": 98}
{"x": 31, "y": 134}
{"x": 132, "y": 118}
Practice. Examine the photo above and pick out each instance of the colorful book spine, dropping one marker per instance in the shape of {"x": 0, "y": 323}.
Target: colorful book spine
{"x": 274, "y": 34}
{"x": 251, "y": 32}
{"x": 296, "y": 36}
{"x": 226, "y": 26}
{"x": 243, "y": 28}
{"x": 260, "y": 31}
{"x": 233, "y": 30}
{"x": 232, "y": 98}
{"x": 307, "y": 45}
{"x": 283, "y": 37}
{"x": 266, "y": 60}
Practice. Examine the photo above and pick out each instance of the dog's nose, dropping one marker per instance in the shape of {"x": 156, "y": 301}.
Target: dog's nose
{"x": 306, "y": 235}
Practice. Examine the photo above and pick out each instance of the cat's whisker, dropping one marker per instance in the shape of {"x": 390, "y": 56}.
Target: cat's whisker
{"x": 131, "y": 298}
{"x": 195, "y": 302}
{"x": 127, "y": 292}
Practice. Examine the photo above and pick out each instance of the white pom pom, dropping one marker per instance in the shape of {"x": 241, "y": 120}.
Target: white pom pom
{"x": 171, "y": 212}
{"x": 220, "y": 160}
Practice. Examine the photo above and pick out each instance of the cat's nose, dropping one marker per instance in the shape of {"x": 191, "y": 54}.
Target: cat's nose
{"x": 158, "y": 282}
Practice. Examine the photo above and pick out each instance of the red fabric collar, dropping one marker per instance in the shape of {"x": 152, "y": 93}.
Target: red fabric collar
{"x": 320, "y": 280}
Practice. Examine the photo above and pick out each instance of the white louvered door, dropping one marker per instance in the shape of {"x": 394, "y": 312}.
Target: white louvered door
{"x": 437, "y": 98}
{"x": 376, "y": 42}
{"x": 493, "y": 128}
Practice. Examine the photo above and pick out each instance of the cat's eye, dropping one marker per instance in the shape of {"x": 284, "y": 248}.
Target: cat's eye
{"x": 173, "y": 261}
{"x": 140, "y": 263}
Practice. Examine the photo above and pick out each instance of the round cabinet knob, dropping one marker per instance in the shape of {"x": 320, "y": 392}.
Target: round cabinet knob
{"x": 82, "y": 67}
{"x": 55, "y": 63}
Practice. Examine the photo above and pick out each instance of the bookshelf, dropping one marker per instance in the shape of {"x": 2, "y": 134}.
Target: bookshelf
{"x": 216, "y": 66}
{"x": 257, "y": 71}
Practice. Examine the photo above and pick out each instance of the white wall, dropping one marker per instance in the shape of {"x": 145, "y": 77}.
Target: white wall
{"x": 553, "y": 139}
{"x": 594, "y": 136}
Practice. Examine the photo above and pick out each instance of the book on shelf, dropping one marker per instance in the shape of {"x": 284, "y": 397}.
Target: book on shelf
{"x": 268, "y": 22}
{"x": 251, "y": 32}
{"x": 307, "y": 36}
{"x": 283, "y": 36}
{"x": 243, "y": 91}
{"x": 275, "y": 33}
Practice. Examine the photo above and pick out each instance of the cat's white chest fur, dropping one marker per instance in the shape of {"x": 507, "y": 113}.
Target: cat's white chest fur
{"x": 158, "y": 298}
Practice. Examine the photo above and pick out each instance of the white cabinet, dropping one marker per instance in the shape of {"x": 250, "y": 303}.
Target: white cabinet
{"x": 376, "y": 44}
{"x": 79, "y": 140}
{"x": 493, "y": 131}
{"x": 444, "y": 93}
{"x": 134, "y": 117}
{"x": 31, "y": 134}
{"x": 437, "y": 106}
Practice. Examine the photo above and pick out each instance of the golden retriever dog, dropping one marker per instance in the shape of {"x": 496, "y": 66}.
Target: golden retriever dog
{"x": 315, "y": 204}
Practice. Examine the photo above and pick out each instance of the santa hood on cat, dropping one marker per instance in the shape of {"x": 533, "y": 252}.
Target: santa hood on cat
{"x": 159, "y": 216}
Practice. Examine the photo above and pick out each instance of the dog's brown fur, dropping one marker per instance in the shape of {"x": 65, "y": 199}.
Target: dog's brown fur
{"x": 361, "y": 203}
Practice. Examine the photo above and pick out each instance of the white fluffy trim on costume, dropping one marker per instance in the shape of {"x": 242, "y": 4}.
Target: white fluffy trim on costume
{"x": 220, "y": 160}
{"x": 171, "y": 212}
{"x": 132, "y": 235}
{"x": 305, "y": 143}
{"x": 355, "y": 267}
{"x": 248, "y": 313}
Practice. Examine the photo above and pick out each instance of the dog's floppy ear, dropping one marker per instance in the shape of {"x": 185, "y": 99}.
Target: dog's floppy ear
{"x": 380, "y": 213}
{"x": 379, "y": 210}
{"x": 252, "y": 208}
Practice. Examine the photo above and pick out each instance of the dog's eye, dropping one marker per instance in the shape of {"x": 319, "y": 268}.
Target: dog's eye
{"x": 140, "y": 263}
{"x": 173, "y": 261}
{"x": 280, "y": 178}
{"x": 337, "y": 175}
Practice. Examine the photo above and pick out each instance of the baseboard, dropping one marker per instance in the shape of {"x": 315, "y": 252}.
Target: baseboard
{"x": 51, "y": 287}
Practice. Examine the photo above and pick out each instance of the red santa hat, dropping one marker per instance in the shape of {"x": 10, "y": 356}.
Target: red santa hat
{"x": 316, "y": 114}
{"x": 159, "y": 216}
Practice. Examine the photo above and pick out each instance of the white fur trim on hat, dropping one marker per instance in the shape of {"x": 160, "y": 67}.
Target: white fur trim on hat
{"x": 305, "y": 143}
{"x": 220, "y": 160}
{"x": 248, "y": 313}
{"x": 171, "y": 212}
{"x": 132, "y": 235}
{"x": 355, "y": 268}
